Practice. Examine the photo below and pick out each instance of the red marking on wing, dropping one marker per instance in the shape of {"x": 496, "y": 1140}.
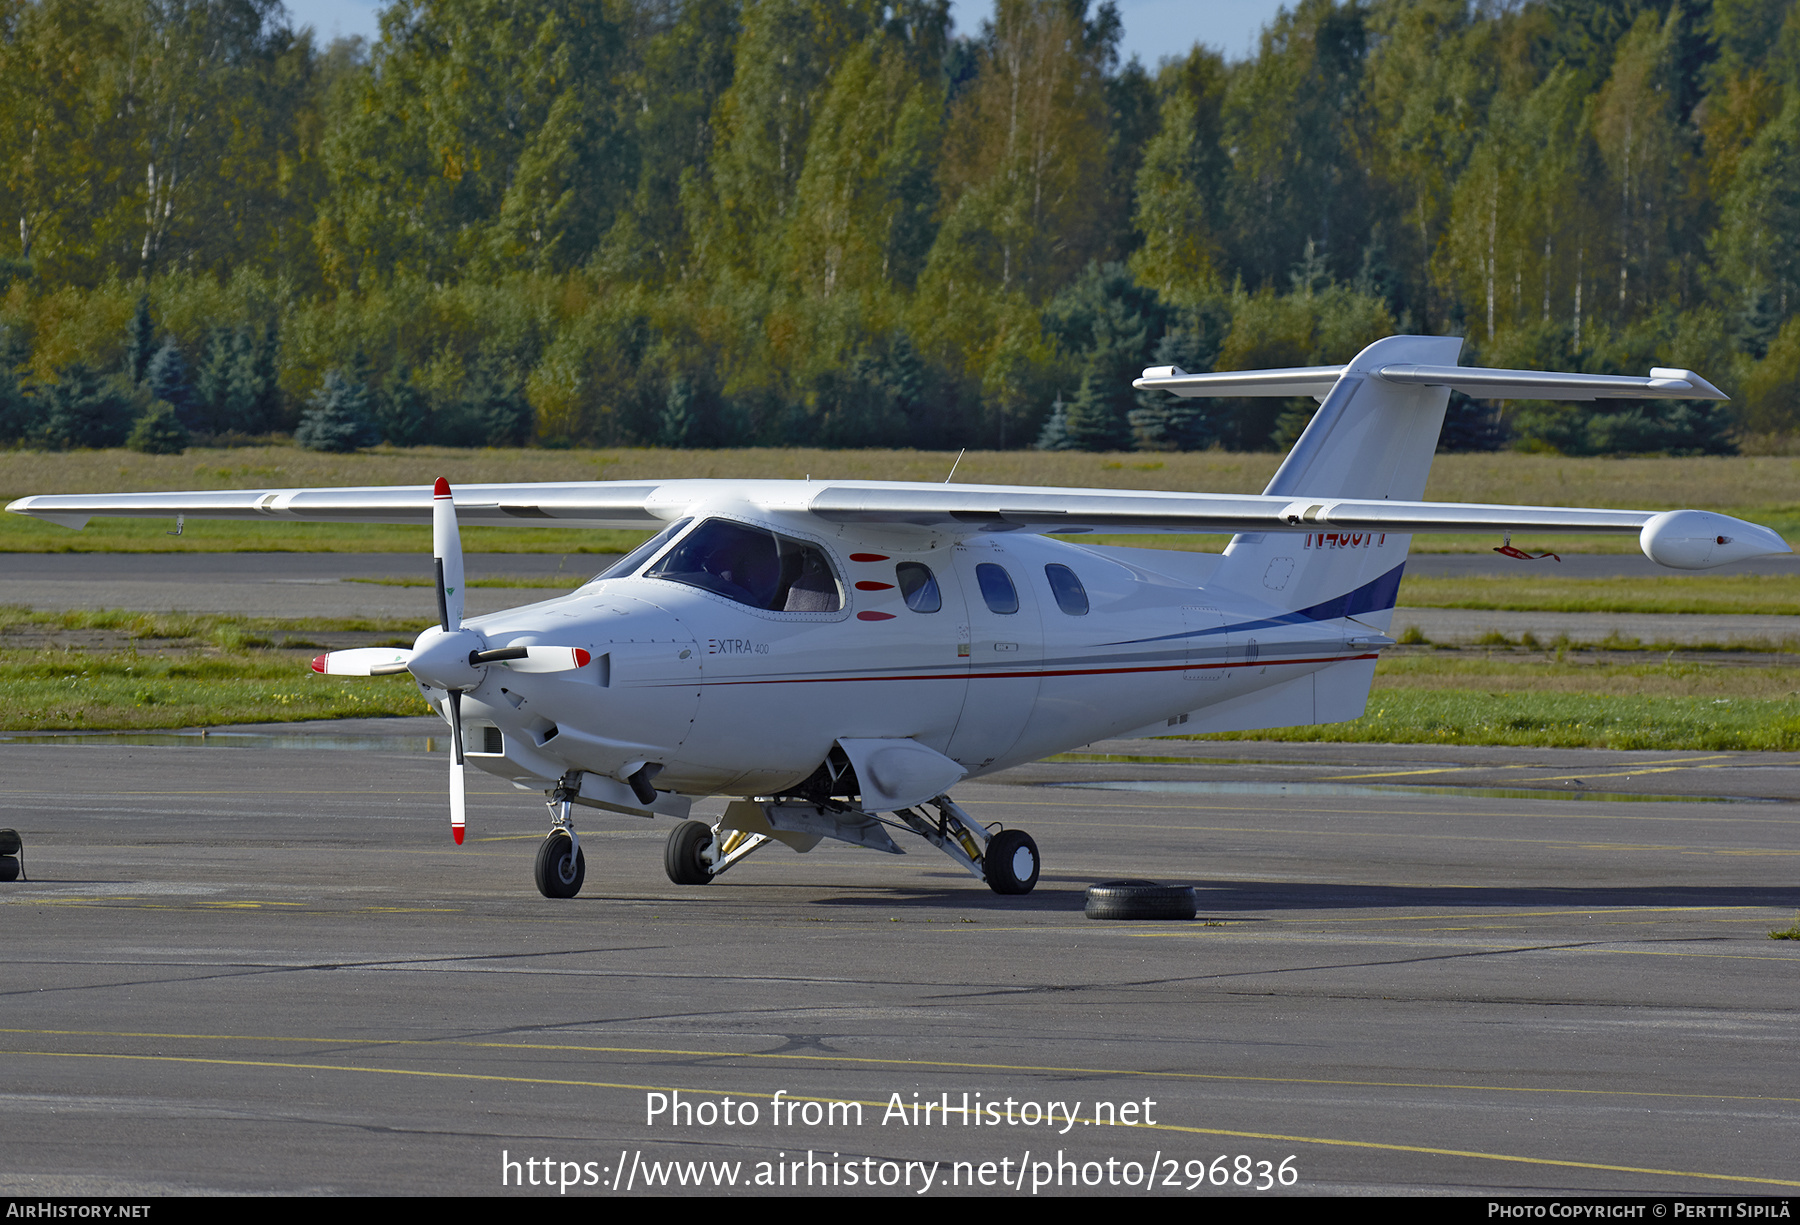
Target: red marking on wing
{"x": 318, "y": 664}
{"x": 874, "y": 616}
{"x": 441, "y": 489}
{"x": 457, "y": 833}
{"x": 581, "y": 658}
{"x": 866, "y": 585}
{"x": 868, "y": 557}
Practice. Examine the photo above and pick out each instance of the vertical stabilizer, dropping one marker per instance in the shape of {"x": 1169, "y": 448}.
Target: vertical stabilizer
{"x": 1371, "y": 438}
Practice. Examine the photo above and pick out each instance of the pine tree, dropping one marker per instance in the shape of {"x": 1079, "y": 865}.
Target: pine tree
{"x": 338, "y": 420}
{"x": 1096, "y": 420}
{"x": 402, "y": 412}
{"x": 159, "y": 431}
{"x": 140, "y": 341}
{"x": 1055, "y": 434}
{"x": 83, "y": 409}
{"x": 167, "y": 378}
{"x": 19, "y": 411}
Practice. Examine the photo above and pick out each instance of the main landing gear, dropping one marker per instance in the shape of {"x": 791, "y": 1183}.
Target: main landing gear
{"x": 1006, "y": 860}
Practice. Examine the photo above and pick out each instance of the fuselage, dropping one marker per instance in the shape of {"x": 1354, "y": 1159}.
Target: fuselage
{"x": 994, "y": 649}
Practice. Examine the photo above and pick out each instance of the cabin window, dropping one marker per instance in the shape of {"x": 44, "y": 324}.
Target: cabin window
{"x": 1070, "y": 595}
{"x": 997, "y": 588}
{"x": 753, "y": 566}
{"x": 918, "y": 587}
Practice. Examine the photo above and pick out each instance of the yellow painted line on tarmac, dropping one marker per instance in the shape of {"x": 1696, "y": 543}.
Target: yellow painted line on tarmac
{"x": 1534, "y": 914}
{"x": 1557, "y": 778}
{"x": 1327, "y": 1141}
{"x": 1449, "y": 950}
{"x": 1456, "y": 769}
{"x": 870, "y": 1061}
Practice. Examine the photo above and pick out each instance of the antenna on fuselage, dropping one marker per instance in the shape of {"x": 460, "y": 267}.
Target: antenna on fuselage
{"x": 959, "y": 456}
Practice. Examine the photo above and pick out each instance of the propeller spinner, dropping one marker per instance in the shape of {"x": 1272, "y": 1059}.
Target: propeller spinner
{"x": 449, "y": 657}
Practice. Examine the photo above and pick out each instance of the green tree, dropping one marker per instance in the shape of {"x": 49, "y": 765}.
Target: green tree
{"x": 159, "y": 431}
{"x": 1180, "y": 187}
{"x": 786, "y": 56}
{"x": 1295, "y": 121}
{"x": 338, "y": 419}
{"x": 485, "y": 135}
{"x": 864, "y": 203}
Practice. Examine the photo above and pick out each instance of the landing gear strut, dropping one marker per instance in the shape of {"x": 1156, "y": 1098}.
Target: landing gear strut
{"x": 1007, "y": 861}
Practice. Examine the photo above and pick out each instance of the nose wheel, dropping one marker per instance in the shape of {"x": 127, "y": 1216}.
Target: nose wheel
{"x": 560, "y": 867}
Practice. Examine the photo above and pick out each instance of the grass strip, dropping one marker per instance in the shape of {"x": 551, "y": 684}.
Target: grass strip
{"x": 1557, "y": 720}
{"x": 1732, "y": 594}
{"x": 224, "y": 631}
{"x": 561, "y": 582}
{"x": 129, "y": 690}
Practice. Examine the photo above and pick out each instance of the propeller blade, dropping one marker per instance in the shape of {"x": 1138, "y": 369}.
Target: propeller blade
{"x": 456, "y": 766}
{"x": 363, "y": 661}
{"x": 446, "y": 550}
{"x": 534, "y": 658}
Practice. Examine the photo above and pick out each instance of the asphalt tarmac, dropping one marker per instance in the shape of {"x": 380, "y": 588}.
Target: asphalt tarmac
{"x": 243, "y": 967}
{"x": 364, "y": 585}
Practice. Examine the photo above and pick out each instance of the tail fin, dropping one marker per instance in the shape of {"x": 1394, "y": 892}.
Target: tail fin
{"x": 1371, "y": 438}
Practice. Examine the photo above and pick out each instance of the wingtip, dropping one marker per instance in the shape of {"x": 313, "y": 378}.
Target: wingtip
{"x": 441, "y": 489}
{"x": 318, "y": 663}
{"x": 457, "y": 833}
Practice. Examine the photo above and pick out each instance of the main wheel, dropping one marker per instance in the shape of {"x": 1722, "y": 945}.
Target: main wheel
{"x": 1140, "y": 899}
{"x": 1011, "y": 862}
{"x": 559, "y": 872}
{"x": 9, "y": 868}
{"x": 681, "y": 857}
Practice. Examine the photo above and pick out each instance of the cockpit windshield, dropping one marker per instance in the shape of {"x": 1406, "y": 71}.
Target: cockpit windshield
{"x": 753, "y": 566}
{"x": 624, "y": 567}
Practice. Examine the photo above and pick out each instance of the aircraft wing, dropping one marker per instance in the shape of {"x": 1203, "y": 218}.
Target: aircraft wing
{"x": 588, "y": 504}
{"x": 1687, "y": 539}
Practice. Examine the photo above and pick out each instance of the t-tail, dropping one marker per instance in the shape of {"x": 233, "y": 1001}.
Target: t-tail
{"x": 1372, "y": 439}
{"x": 1369, "y": 439}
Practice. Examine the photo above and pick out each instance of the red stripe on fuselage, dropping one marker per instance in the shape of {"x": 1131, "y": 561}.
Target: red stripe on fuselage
{"x": 977, "y": 676}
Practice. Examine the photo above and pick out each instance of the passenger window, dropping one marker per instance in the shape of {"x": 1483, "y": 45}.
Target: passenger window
{"x": 918, "y": 586}
{"x": 1070, "y": 596}
{"x": 997, "y": 588}
{"x": 753, "y": 566}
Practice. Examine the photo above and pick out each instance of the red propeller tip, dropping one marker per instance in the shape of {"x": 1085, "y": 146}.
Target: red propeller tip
{"x": 457, "y": 834}
{"x": 581, "y": 658}
{"x": 441, "y": 489}
{"x": 318, "y": 664}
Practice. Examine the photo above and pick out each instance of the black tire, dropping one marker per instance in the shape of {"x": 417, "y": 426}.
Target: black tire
{"x": 1011, "y": 863}
{"x": 1140, "y": 899}
{"x": 558, "y": 873}
{"x": 9, "y": 868}
{"x": 681, "y": 855}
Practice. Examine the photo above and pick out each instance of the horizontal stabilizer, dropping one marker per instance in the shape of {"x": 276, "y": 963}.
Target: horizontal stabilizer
{"x": 1483, "y": 384}
{"x": 1313, "y": 381}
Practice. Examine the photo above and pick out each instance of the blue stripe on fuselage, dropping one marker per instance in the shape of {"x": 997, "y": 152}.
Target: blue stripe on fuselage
{"x": 1376, "y": 595}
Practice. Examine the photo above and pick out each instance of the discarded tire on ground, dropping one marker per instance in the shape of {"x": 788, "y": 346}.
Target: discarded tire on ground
{"x": 1140, "y": 899}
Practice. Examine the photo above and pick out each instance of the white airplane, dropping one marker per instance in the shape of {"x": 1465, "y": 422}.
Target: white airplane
{"x": 836, "y": 655}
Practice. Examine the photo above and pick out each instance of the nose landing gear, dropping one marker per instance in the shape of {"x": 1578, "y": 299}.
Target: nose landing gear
{"x": 560, "y": 866}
